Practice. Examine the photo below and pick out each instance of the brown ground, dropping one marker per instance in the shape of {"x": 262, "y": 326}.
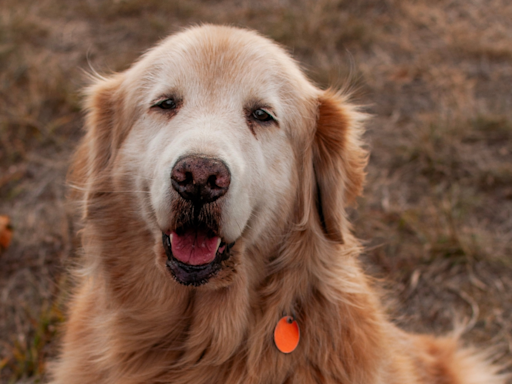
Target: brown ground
{"x": 437, "y": 213}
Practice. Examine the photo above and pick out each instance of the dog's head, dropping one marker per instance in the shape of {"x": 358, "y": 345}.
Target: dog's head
{"x": 214, "y": 146}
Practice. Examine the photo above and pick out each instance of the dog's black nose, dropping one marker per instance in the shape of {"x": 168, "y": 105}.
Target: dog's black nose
{"x": 200, "y": 179}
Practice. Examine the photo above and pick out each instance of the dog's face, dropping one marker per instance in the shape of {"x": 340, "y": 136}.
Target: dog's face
{"x": 212, "y": 133}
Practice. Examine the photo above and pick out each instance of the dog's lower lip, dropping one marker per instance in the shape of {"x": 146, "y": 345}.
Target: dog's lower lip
{"x": 195, "y": 275}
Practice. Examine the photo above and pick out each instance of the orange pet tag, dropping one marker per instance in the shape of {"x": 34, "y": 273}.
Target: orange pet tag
{"x": 287, "y": 334}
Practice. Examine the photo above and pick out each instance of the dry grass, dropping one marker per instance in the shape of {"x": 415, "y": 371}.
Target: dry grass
{"x": 437, "y": 213}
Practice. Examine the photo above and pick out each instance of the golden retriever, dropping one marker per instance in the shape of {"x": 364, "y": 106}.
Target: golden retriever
{"x": 213, "y": 178}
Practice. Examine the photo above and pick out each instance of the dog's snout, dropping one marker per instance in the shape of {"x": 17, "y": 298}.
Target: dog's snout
{"x": 200, "y": 179}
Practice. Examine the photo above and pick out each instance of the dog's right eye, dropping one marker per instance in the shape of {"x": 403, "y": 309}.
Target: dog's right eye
{"x": 166, "y": 104}
{"x": 262, "y": 115}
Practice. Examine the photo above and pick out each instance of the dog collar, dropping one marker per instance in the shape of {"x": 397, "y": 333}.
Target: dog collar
{"x": 287, "y": 334}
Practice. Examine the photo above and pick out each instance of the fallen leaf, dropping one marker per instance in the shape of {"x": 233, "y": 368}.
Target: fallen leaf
{"x": 5, "y": 232}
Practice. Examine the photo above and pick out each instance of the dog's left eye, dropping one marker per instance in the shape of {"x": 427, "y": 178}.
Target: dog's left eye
{"x": 262, "y": 115}
{"x": 166, "y": 104}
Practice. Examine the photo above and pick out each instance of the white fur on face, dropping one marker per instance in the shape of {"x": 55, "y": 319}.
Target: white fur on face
{"x": 218, "y": 81}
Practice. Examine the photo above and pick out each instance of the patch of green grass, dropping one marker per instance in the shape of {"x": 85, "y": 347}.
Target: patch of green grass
{"x": 439, "y": 233}
{"x": 493, "y": 128}
{"x": 29, "y": 353}
{"x": 431, "y": 148}
{"x": 460, "y": 151}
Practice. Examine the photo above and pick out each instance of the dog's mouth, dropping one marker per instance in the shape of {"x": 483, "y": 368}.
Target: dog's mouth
{"x": 194, "y": 254}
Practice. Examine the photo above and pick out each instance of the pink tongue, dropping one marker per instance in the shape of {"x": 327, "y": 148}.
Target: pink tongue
{"x": 194, "y": 247}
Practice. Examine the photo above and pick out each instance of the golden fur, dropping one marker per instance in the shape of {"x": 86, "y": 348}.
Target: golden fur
{"x": 130, "y": 322}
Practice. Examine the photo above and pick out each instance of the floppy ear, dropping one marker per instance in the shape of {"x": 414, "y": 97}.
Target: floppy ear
{"x": 105, "y": 129}
{"x": 338, "y": 161}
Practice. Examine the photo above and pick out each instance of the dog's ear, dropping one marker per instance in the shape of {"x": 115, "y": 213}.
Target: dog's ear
{"x": 105, "y": 127}
{"x": 338, "y": 161}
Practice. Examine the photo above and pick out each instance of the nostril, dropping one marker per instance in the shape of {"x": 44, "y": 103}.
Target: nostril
{"x": 189, "y": 178}
{"x": 212, "y": 181}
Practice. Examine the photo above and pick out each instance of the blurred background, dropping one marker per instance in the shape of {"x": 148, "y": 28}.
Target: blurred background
{"x": 436, "y": 217}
